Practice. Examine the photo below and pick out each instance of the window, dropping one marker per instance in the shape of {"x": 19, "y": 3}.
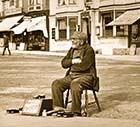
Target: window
{"x": 31, "y": 2}
{"x": 72, "y": 25}
{"x": 72, "y": 1}
{"x": 34, "y": 2}
{"x": 121, "y": 30}
{"x": 107, "y": 30}
{"x": 12, "y": 2}
{"x": 66, "y": 26}
{"x": 88, "y": 0}
{"x": 102, "y": 0}
{"x": 61, "y": 2}
{"x": 66, "y": 2}
{"x": 38, "y": 1}
{"x": 62, "y": 28}
{"x": 134, "y": 33}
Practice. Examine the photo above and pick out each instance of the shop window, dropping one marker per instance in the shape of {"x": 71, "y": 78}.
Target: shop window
{"x": 72, "y": 25}
{"x": 134, "y": 32}
{"x": 107, "y": 30}
{"x": 62, "y": 27}
{"x": 121, "y": 30}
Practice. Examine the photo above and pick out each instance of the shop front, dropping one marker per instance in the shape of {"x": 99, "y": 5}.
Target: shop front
{"x": 131, "y": 21}
{"x": 34, "y": 34}
{"x": 5, "y": 28}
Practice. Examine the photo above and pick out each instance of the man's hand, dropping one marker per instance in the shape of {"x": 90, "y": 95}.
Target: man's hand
{"x": 76, "y": 60}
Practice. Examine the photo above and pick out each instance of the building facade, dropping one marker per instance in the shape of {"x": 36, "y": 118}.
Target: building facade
{"x": 26, "y": 23}
{"x": 112, "y": 26}
{"x": 94, "y": 17}
{"x": 64, "y": 19}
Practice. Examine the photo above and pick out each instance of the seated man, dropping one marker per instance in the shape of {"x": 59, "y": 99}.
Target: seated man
{"x": 80, "y": 62}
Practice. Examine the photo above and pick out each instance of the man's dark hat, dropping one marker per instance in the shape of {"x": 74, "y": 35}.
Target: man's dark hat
{"x": 79, "y": 35}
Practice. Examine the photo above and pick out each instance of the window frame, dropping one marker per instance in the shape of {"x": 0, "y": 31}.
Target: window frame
{"x": 12, "y": 3}
{"x": 72, "y": 3}
{"x": 60, "y": 37}
{"x": 72, "y": 28}
{"x": 121, "y": 30}
{"x": 68, "y": 28}
{"x": 107, "y": 31}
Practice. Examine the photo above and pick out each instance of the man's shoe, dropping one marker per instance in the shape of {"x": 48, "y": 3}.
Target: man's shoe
{"x": 56, "y": 110}
{"x": 71, "y": 114}
{"x": 76, "y": 114}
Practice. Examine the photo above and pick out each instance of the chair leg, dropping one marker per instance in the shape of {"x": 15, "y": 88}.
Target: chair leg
{"x": 86, "y": 103}
{"x": 67, "y": 99}
{"x": 96, "y": 100}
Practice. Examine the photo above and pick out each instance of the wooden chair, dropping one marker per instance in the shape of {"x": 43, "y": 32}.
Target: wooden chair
{"x": 86, "y": 101}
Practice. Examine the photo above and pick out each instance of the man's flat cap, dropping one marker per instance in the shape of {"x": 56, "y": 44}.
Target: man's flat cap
{"x": 79, "y": 35}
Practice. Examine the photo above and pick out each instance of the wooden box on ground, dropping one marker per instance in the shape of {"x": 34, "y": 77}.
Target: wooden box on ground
{"x": 36, "y": 106}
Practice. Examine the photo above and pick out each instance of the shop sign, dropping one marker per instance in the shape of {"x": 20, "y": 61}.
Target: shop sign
{"x": 53, "y": 33}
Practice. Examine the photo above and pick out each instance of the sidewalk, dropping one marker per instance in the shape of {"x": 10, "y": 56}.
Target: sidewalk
{"x": 135, "y": 58}
{"x": 17, "y": 120}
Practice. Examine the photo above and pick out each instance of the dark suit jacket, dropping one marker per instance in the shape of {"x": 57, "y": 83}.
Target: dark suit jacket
{"x": 6, "y": 42}
{"x": 88, "y": 63}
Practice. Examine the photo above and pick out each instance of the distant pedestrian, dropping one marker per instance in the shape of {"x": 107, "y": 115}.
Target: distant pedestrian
{"x": 6, "y": 44}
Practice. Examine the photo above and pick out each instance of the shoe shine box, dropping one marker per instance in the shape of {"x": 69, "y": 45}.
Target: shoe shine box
{"x": 35, "y": 107}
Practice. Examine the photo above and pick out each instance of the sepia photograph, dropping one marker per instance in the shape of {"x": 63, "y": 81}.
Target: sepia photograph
{"x": 69, "y": 63}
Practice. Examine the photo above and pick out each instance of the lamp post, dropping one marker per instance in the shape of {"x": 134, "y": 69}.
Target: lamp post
{"x": 86, "y": 17}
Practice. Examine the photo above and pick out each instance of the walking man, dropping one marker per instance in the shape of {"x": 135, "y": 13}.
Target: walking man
{"x": 6, "y": 44}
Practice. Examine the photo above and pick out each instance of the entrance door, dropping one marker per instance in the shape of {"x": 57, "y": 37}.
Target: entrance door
{"x": 135, "y": 34}
{"x": 86, "y": 25}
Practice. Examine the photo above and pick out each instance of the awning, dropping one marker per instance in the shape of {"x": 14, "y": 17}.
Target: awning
{"x": 38, "y": 23}
{"x": 21, "y": 27}
{"x": 127, "y": 18}
{"x": 8, "y": 23}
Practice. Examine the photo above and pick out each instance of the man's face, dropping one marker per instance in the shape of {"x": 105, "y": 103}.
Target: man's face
{"x": 76, "y": 43}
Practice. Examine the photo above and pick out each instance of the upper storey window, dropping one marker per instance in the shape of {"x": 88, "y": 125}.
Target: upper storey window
{"x": 12, "y": 2}
{"x": 88, "y": 0}
{"x": 72, "y": 1}
{"x": 66, "y": 2}
{"x": 34, "y": 2}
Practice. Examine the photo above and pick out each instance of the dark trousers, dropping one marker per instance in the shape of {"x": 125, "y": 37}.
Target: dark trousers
{"x": 5, "y": 50}
{"x": 76, "y": 86}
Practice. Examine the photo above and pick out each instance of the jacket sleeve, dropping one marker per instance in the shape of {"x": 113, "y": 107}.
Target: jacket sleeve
{"x": 87, "y": 61}
{"x": 67, "y": 60}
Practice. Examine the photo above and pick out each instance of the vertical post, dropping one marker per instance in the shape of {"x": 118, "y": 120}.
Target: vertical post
{"x": 86, "y": 103}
